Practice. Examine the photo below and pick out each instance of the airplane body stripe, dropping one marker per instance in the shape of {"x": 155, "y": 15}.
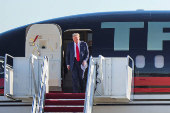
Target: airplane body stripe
{"x": 151, "y": 90}
{"x": 152, "y": 81}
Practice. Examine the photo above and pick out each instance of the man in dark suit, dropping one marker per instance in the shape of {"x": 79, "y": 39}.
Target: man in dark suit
{"x": 76, "y": 59}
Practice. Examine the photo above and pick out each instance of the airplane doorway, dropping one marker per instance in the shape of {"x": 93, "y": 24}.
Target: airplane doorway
{"x": 86, "y": 36}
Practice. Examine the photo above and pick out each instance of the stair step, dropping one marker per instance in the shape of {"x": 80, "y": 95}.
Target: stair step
{"x": 64, "y": 106}
{"x": 65, "y": 96}
{"x": 63, "y": 109}
{"x": 65, "y": 99}
{"x": 64, "y": 102}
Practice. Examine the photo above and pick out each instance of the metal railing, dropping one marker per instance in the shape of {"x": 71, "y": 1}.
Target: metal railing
{"x": 90, "y": 87}
{"x": 32, "y": 57}
{"x": 2, "y": 60}
{"x": 38, "y": 102}
{"x": 100, "y": 61}
{"x": 129, "y": 58}
{"x": 8, "y": 76}
{"x": 132, "y": 84}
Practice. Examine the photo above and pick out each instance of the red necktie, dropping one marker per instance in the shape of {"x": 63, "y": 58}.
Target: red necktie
{"x": 77, "y": 52}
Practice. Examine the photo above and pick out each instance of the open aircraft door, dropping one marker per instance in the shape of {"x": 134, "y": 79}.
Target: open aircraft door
{"x": 46, "y": 40}
{"x": 22, "y": 78}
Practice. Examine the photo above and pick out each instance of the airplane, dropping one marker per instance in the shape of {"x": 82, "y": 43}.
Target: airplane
{"x": 143, "y": 35}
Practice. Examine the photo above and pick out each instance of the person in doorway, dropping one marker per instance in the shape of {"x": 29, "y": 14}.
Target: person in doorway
{"x": 76, "y": 60}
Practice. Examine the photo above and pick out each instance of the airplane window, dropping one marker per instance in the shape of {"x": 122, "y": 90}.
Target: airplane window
{"x": 159, "y": 61}
{"x": 140, "y": 61}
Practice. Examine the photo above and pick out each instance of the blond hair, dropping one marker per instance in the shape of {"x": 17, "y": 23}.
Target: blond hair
{"x": 74, "y": 34}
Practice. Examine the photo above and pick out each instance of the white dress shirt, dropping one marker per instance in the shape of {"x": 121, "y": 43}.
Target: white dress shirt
{"x": 75, "y": 48}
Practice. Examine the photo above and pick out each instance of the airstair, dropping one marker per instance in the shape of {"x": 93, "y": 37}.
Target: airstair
{"x": 109, "y": 81}
{"x": 36, "y": 77}
{"x": 55, "y": 101}
{"x": 80, "y": 102}
{"x": 100, "y": 88}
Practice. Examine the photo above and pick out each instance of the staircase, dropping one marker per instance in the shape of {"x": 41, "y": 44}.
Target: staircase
{"x": 58, "y": 102}
{"x": 64, "y": 102}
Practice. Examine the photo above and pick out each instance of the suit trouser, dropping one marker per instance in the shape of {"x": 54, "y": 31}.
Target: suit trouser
{"x": 77, "y": 77}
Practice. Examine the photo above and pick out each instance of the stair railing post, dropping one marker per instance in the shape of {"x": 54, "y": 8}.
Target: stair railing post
{"x": 32, "y": 57}
{"x": 88, "y": 105}
{"x": 44, "y": 82}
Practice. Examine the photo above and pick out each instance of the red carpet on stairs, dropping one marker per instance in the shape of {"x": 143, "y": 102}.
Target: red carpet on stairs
{"x": 65, "y": 96}
{"x": 63, "y": 109}
{"x": 64, "y": 102}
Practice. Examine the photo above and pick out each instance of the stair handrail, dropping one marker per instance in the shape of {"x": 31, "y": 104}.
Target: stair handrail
{"x": 6, "y": 65}
{"x": 32, "y": 57}
{"x": 90, "y": 87}
{"x": 100, "y": 62}
{"x": 34, "y": 104}
{"x": 132, "y": 88}
{"x": 38, "y": 103}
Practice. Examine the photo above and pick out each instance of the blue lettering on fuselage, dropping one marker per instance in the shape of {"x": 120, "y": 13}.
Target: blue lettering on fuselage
{"x": 155, "y": 35}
